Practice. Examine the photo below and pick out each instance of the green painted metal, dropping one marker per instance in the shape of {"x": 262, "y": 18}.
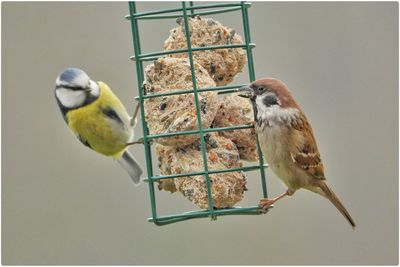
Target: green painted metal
{"x": 152, "y": 56}
{"x": 219, "y": 89}
{"x": 209, "y": 130}
{"x": 250, "y": 63}
{"x": 140, "y": 78}
{"x": 139, "y": 57}
{"x": 245, "y": 169}
{"x": 254, "y": 210}
{"x": 198, "y": 111}
{"x": 227, "y": 7}
{"x": 191, "y": 9}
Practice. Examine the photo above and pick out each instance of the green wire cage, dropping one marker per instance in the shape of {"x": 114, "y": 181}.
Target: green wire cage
{"x": 185, "y": 12}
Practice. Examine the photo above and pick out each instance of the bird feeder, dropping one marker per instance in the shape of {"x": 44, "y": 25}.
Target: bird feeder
{"x": 187, "y": 11}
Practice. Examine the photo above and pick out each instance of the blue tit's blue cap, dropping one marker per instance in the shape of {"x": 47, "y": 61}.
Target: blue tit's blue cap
{"x": 72, "y": 76}
{"x": 69, "y": 74}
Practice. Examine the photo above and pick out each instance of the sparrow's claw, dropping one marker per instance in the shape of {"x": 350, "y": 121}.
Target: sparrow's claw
{"x": 266, "y": 203}
{"x": 264, "y": 210}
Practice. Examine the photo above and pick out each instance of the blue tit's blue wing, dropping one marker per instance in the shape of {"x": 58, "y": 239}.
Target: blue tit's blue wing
{"x": 111, "y": 113}
{"x": 83, "y": 141}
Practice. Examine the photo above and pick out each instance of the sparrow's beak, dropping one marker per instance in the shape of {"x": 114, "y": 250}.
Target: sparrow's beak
{"x": 245, "y": 92}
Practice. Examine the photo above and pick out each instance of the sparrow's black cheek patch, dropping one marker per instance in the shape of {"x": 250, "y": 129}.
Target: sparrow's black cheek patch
{"x": 270, "y": 100}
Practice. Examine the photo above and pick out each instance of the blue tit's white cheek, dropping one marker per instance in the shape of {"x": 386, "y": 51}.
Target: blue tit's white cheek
{"x": 94, "y": 88}
{"x": 70, "y": 98}
{"x": 82, "y": 80}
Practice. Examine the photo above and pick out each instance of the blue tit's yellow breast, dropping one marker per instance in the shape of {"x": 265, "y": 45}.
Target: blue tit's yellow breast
{"x": 103, "y": 124}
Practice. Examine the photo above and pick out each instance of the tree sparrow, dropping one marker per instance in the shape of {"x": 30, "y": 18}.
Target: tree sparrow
{"x": 287, "y": 141}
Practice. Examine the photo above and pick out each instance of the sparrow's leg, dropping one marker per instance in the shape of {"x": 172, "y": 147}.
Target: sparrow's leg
{"x": 265, "y": 203}
{"x": 134, "y": 117}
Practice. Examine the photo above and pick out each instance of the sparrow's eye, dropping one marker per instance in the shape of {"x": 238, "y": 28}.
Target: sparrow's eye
{"x": 260, "y": 89}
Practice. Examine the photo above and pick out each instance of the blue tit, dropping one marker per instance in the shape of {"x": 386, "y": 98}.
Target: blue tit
{"x": 97, "y": 117}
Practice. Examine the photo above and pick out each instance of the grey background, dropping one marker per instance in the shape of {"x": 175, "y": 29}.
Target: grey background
{"x": 64, "y": 204}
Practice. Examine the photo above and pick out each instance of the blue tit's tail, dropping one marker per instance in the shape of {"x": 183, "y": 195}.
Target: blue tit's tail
{"x": 129, "y": 163}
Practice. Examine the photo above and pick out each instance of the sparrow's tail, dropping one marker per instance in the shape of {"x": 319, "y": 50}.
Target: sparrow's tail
{"x": 129, "y": 163}
{"x": 335, "y": 201}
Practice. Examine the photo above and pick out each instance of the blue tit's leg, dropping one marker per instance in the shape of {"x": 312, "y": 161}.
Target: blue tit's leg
{"x": 135, "y": 114}
{"x": 140, "y": 141}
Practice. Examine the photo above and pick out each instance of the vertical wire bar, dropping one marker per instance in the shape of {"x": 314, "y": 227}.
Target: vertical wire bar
{"x": 196, "y": 98}
{"x": 246, "y": 28}
{"x": 250, "y": 63}
{"x": 192, "y": 10}
{"x": 140, "y": 77}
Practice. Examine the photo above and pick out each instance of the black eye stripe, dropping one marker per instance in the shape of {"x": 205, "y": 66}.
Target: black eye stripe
{"x": 75, "y": 88}
{"x": 258, "y": 89}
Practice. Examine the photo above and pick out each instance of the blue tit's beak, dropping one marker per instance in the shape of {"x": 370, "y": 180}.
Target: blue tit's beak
{"x": 245, "y": 91}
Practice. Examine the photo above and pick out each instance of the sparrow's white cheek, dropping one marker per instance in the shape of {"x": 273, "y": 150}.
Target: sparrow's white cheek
{"x": 262, "y": 108}
{"x": 275, "y": 114}
{"x": 70, "y": 98}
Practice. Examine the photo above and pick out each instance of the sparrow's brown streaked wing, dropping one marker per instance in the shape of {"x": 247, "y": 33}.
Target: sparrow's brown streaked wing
{"x": 307, "y": 155}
